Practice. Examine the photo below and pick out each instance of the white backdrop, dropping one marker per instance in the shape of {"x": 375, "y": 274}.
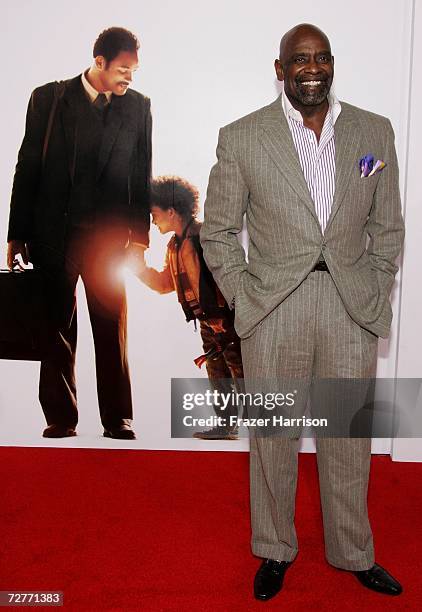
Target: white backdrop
{"x": 203, "y": 65}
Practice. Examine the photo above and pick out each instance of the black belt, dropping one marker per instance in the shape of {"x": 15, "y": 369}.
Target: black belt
{"x": 321, "y": 266}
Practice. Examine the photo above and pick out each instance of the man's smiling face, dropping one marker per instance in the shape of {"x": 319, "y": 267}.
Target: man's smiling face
{"x": 306, "y": 66}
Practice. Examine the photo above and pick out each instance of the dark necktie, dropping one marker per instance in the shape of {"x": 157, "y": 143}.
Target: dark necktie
{"x": 100, "y": 102}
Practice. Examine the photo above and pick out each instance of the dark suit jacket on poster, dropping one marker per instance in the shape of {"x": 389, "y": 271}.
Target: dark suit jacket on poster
{"x": 41, "y": 193}
{"x": 258, "y": 173}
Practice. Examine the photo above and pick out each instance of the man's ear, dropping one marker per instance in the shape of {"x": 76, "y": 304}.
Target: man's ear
{"x": 100, "y": 62}
{"x": 279, "y": 70}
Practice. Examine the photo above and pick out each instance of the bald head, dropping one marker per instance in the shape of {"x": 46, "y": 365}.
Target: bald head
{"x": 296, "y": 34}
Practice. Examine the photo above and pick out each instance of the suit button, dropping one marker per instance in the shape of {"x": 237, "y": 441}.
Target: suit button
{"x": 323, "y": 247}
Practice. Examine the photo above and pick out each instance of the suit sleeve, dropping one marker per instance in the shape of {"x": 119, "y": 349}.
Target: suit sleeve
{"x": 142, "y": 191}
{"x": 385, "y": 223}
{"x": 225, "y": 206}
{"x": 28, "y": 168}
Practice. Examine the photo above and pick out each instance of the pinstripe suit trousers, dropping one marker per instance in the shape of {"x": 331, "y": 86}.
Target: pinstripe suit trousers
{"x": 310, "y": 334}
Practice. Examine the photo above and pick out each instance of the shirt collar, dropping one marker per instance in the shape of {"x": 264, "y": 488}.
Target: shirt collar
{"x": 90, "y": 90}
{"x": 290, "y": 111}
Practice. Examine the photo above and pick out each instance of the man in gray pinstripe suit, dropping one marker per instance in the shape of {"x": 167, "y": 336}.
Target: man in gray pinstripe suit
{"x": 325, "y": 229}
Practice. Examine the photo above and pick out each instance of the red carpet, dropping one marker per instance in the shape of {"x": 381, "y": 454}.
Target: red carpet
{"x": 152, "y": 531}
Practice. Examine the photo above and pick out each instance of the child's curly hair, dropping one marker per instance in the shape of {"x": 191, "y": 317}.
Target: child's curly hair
{"x": 175, "y": 192}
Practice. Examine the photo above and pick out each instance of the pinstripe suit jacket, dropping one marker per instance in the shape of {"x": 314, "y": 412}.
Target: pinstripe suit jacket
{"x": 258, "y": 173}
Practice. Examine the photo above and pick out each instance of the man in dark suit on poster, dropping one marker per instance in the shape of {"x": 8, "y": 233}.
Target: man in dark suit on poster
{"x": 80, "y": 199}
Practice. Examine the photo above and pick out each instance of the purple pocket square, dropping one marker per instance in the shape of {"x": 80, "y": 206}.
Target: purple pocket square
{"x": 367, "y": 166}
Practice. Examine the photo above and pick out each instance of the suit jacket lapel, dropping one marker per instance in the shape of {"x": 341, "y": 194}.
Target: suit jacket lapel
{"x": 111, "y": 130}
{"x": 276, "y": 138}
{"x": 347, "y": 140}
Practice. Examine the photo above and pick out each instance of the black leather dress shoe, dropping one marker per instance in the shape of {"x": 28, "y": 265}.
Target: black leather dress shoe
{"x": 269, "y": 578}
{"x": 58, "y": 431}
{"x": 378, "y": 579}
{"x": 120, "y": 432}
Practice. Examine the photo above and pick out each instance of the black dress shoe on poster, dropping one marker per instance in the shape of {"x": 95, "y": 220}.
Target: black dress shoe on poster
{"x": 58, "y": 431}
{"x": 120, "y": 432}
{"x": 378, "y": 579}
{"x": 269, "y": 578}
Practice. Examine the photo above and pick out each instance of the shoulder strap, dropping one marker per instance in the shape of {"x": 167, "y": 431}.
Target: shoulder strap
{"x": 59, "y": 88}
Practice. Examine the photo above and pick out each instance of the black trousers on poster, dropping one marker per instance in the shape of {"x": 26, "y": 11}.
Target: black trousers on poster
{"x": 94, "y": 256}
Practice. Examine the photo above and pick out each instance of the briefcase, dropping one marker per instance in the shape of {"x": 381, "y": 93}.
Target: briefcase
{"x": 26, "y": 330}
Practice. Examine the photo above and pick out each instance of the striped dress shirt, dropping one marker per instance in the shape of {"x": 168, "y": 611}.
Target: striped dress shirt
{"x": 317, "y": 159}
